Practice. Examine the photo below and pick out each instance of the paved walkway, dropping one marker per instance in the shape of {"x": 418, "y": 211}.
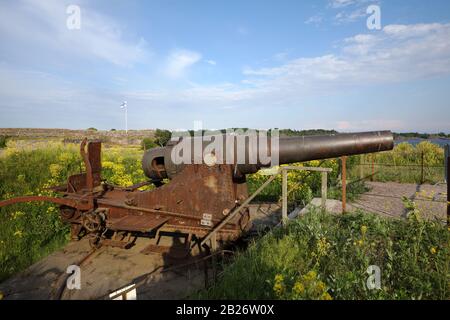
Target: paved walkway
{"x": 386, "y": 199}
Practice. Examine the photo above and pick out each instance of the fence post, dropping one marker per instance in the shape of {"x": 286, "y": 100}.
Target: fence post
{"x": 361, "y": 161}
{"x": 373, "y": 168}
{"x": 344, "y": 184}
{"x": 448, "y": 186}
{"x": 284, "y": 196}
{"x": 422, "y": 174}
{"x": 324, "y": 189}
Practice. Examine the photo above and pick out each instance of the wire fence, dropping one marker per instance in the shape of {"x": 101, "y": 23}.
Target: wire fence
{"x": 368, "y": 168}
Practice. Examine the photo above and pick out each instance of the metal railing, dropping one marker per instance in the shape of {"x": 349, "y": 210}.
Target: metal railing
{"x": 284, "y": 173}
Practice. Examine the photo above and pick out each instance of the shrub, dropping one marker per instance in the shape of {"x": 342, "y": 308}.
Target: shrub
{"x": 3, "y": 140}
{"x": 162, "y": 137}
{"x": 148, "y": 143}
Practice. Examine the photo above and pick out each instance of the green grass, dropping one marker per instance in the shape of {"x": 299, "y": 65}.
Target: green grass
{"x": 321, "y": 256}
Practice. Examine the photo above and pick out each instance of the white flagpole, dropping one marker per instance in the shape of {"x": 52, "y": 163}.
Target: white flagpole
{"x": 125, "y": 106}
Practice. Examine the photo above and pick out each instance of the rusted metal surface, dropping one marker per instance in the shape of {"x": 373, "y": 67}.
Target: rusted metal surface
{"x": 140, "y": 223}
{"x": 208, "y": 203}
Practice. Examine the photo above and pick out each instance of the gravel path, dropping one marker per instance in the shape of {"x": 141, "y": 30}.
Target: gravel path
{"x": 386, "y": 199}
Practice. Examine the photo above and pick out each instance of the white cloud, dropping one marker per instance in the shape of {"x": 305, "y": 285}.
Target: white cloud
{"x": 409, "y": 31}
{"x": 363, "y": 60}
{"x": 346, "y": 3}
{"x": 42, "y": 25}
{"x": 316, "y": 19}
{"x": 211, "y": 62}
{"x": 346, "y": 17}
{"x": 350, "y": 10}
{"x": 341, "y": 3}
{"x": 393, "y": 55}
{"x": 179, "y": 61}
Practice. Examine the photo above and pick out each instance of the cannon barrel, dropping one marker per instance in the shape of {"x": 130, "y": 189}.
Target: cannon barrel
{"x": 299, "y": 149}
{"x": 159, "y": 163}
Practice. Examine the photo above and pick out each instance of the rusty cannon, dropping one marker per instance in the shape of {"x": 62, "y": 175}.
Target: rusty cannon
{"x": 198, "y": 192}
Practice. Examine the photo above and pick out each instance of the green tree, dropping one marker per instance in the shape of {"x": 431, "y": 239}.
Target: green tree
{"x": 148, "y": 143}
{"x": 162, "y": 137}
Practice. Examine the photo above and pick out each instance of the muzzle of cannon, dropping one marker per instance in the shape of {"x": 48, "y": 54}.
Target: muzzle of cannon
{"x": 197, "y": 182}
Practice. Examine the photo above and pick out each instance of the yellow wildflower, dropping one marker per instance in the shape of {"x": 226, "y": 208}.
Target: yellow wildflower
{"x": 279, "y": 278}
{"x": 363, "y": 229}
{"x": 310, "y": 276}
{"x": 298, "y": 288}
{"x": 278, "y": 288}
{"x": 321, "y": 286}
{"x": 18, "y": 233}
{"x": 55, "y": 169}
{"x": 50, "y": 209}
{"x": 17, "y": 214}
{"x": 322, "y": 246}
{"x": 326, "y": 296}
{"x": 433, "y": 250}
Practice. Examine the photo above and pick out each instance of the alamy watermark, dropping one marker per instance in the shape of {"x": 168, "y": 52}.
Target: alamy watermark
{"x": 74, "y": 280}
{"x": 234, "y": 146}
{"x": 374, "y": 20}
{"x": 73, "y": 21}
{"x": 374, "y": 280}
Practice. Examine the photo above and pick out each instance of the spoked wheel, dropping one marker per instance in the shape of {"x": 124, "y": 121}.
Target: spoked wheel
{"x": 92, "y": 222}
{"x": 67, "y": 213}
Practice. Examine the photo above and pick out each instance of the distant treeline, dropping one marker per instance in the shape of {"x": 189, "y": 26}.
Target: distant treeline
{"x": 412, "y": 135}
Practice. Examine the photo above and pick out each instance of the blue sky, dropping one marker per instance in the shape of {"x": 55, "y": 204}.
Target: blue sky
{"x": 261, "y": 64}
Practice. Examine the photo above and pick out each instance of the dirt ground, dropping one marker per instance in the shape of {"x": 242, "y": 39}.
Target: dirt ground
{"x": 105, "y": 272}
{"x": 386, "y": 199}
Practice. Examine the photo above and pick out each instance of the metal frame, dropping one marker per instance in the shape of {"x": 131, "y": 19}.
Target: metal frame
{"x": 284, "y": 172}
{"x": 211, "y": 236}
